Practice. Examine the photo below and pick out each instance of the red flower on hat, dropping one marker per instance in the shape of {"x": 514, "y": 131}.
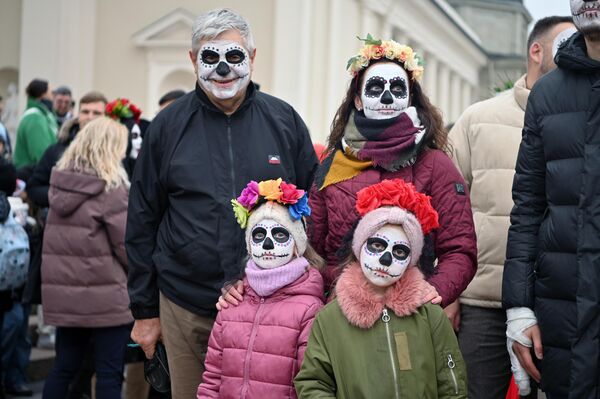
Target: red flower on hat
{"x": 401, "y": 194}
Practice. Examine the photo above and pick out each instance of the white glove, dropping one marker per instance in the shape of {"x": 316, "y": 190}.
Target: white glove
{"x": 517, "y": 321}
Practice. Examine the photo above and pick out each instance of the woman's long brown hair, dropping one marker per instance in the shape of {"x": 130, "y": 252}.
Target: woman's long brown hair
{"x": 430, "y": 116}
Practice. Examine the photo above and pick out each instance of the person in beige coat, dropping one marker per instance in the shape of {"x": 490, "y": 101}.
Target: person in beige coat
{"x": 485, "y": 142}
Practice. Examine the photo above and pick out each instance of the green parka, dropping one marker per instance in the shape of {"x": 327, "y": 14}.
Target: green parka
{"x": 366, "y": 346}
{"x": 36, "y": 132}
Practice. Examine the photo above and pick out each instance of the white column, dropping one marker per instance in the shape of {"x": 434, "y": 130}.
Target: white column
{"x": 430, "y": 78}
{"x": 443, "y": 91}
{"x": 466, "y": 95}
{"x": 455, "y": 97}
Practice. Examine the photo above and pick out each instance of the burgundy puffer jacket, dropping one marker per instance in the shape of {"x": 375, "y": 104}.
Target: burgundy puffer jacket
{"x": 256, "y": 348}
{"x": 334, "y": 214}
{"x": 84, "y": 278}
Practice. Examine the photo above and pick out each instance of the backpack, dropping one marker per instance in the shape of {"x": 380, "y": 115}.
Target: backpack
{"x": 14, "y": 254}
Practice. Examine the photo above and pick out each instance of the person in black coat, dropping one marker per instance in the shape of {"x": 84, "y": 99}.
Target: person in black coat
{"x": 551, "y": 282}
{"x": 183, "y": 242}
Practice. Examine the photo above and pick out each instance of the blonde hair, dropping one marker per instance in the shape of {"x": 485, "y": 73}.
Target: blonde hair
{"x": 98, "y": 149}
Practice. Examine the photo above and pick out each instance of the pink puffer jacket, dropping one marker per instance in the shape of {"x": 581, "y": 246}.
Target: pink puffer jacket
{"x": 256, "y": 348}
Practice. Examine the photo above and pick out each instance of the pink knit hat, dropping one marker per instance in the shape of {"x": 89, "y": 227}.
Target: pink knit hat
{"x": 394, "y": 202}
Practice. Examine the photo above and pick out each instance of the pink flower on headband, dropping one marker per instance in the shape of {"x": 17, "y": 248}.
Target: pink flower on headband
{"x": 249, "y": 195}
{"x": 290, "y": 194}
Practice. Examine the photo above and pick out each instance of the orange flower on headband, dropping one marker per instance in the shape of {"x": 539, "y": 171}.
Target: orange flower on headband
{"x": 270, "y": 189}
{"x": 401, "y": 194}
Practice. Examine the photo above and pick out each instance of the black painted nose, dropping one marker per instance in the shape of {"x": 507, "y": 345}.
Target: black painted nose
{"x": 223, "y": 69}
{"x": 268, "y": 244}
{"x": 387, "y": 98}
{"x": 386, "y": 259}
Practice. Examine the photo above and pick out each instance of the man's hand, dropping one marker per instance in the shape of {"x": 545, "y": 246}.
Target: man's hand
{"x": 146, "y": 332}
{"x": 231, "y": 295}
{"x": 431, "y": 295}
{"x": 523, "y": 352}
{"x": 453, "y": 313}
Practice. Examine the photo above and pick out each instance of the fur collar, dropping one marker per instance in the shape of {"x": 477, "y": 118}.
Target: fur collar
{"x": 362, "y": 306}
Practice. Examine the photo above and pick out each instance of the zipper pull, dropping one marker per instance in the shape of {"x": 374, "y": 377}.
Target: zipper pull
{"x": 451, "y": 363}
{"x": 386, "y": 317}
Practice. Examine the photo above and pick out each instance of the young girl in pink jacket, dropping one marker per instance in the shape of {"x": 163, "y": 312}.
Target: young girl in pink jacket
{"x": 256, "y": 348}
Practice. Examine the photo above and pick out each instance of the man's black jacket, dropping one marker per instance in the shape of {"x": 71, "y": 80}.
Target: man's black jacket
{"x": 553, "y": 252}
{"x": 182, "y": 237}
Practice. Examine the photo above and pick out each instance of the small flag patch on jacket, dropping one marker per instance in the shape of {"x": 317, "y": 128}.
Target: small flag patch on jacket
{"x": 460, "y": 188}
{"x": 274, "y": 159}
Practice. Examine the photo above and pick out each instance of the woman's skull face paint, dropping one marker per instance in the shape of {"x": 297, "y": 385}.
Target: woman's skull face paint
{"x": 271, "y": 244}
{"x": 385, "y": 91}
{"x": 223, "y": 68}
{"x": 385, "y": 255}
{"x": 136, "y": 141}
{"x": 586, "y": 16}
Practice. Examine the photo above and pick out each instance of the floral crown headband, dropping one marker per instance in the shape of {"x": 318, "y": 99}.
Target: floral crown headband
{"x": 255, "y": 194}
{"x": 122, "y": 108}
{"x": 377, "y": 49}
{"x": 401, "y": 194}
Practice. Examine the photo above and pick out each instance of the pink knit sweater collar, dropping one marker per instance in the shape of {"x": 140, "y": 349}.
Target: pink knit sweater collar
{"x": 265, "y": 282}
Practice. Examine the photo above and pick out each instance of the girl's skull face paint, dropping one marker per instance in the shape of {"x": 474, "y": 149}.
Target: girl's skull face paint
{"x": 385, "y": 255}
{"x": 136, "y": 141}
{"x": 385, "y": 91}
{"x": 586, "y": 15}
{"x": 223, "y": 68}
{"x": 271, "y": 244}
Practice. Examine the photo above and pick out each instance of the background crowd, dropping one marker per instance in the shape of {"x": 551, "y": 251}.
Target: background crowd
{"x": 122, "y": 230}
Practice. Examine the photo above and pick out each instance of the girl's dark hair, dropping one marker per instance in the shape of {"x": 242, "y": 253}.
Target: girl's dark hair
{"x": 36, "y": 88}
{"x": 430, "y": 116}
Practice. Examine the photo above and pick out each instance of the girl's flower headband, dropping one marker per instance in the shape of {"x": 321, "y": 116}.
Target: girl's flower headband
{"x": 122, "y": 108}
{"x": 270, "y": 190}
{"x": 377, "y": 49}
{"x": 398, "y": 193}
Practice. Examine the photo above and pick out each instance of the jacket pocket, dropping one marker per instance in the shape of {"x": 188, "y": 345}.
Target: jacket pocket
{"x": 402, "y": 350}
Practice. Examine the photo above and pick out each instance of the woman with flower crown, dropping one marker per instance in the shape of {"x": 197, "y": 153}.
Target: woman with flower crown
{"x": 386, "y": 128}
{"x": 256, "y": 348}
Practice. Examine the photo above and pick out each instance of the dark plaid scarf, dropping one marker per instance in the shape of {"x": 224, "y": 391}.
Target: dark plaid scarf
{"x": 391, "y": 144}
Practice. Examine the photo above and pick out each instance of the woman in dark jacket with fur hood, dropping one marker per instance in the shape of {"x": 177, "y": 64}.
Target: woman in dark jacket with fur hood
{"x": 84, "y": 266}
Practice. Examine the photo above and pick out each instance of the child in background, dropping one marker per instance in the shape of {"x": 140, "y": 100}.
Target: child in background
{"x": 379, "y": 338}
{"x": 256, "y": 348}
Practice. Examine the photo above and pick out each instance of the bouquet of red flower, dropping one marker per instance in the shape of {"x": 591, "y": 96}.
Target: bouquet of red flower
{"x": 122, "y": 108}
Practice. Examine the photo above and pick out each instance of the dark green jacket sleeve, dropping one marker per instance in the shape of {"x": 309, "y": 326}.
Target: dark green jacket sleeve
{"x": 315, "y": 379}
{"x": 40, "y": 136}
{"x": 450, "y": 366}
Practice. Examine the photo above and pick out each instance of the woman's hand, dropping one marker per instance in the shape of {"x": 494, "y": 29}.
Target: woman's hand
{"x": 232, "y": 294}
{"x": 431, "y": 295}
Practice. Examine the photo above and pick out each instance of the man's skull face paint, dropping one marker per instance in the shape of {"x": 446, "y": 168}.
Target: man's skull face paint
{"x": 223, "y": 68}
{"x": 271, "y": 244}
{"x": 385, "y": 255}
{"x": 586, "y": 16}
{"x": 385, "y": 91}
{"x": 136, "y": 141}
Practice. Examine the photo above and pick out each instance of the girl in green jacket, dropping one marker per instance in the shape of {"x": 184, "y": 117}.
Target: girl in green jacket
{"x": 377, "y": 338}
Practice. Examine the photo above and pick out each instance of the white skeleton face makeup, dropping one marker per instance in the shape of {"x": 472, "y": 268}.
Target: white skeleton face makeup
{"x": 385, "y": 255}
{"x": 586, "y": 16}
{"x": 223, "y": 68}
{"x": 271, "y": 245}
{"x": 136, "y": 141}
{"x": 385, "y": 92}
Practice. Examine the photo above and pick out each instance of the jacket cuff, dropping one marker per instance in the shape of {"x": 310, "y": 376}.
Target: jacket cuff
{"x": 144, "y": 312}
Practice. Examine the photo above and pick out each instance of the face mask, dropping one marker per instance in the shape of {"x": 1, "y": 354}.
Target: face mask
{"x": 223, "y": 68}
{"x": 271, "y": 245}
{"x": 561, "y": 38}
{"x": 385, "y": 255}
{"x": 586, "y": 16}
{"x": 385, "y": 91}
{"x": 136, "y": 141}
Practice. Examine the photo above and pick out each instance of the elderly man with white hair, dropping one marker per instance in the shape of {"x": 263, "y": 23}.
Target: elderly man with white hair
{"x": 182, "y": 239}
